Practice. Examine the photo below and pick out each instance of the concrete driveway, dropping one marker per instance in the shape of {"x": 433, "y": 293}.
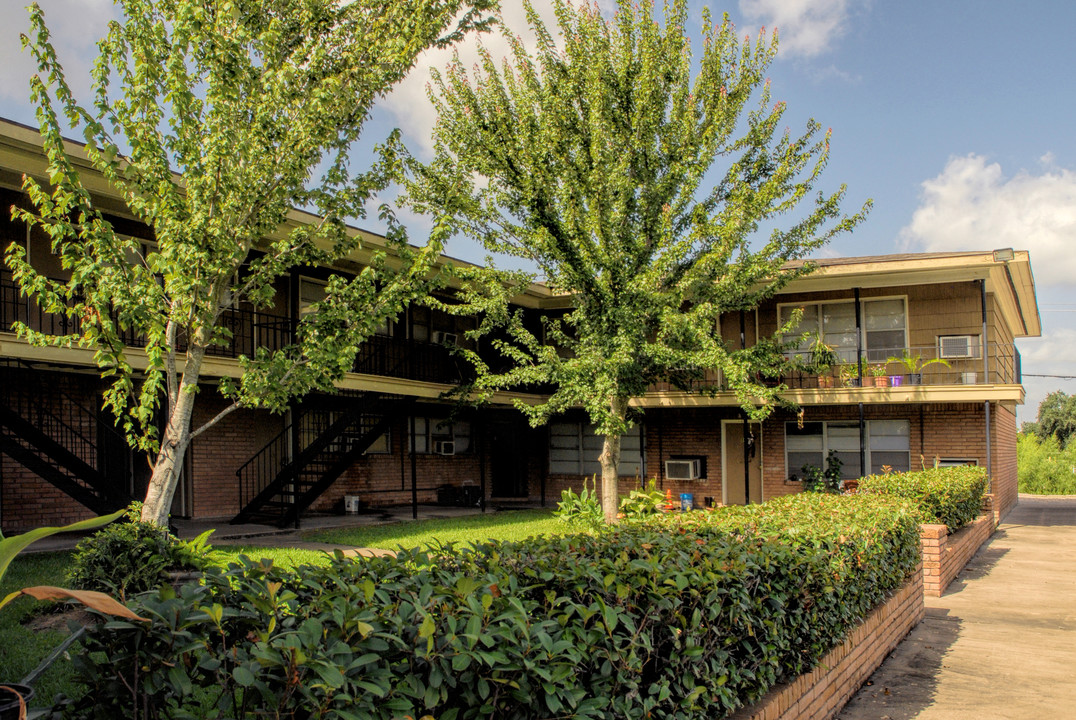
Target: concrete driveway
{"x": 1001, "y": 643}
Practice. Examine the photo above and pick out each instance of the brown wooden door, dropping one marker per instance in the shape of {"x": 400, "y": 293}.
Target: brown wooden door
{"x": 733, "y": 479}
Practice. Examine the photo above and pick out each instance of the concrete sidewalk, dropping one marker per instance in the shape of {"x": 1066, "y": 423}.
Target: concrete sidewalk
{"x": 1001, "y": 643}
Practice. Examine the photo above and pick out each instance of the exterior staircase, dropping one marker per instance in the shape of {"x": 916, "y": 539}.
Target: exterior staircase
{"x": 65, "y": 443}
{"x": 284, "y": 478}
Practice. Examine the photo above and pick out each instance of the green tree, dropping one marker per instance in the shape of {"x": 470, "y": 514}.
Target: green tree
{"x": 591, "y": 158}
{"x": 231, "y": 114}
{"x": 1057, "y": 418}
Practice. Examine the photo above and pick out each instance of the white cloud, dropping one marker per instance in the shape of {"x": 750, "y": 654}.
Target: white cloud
{"x": 408, "y": 103}
{"x": 971, "y": 205}
{"x": 806, "y": 28}
{"x": 75, "y": 26}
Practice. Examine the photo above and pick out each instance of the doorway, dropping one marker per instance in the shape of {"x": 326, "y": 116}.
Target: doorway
{"x": 732, "y": 462}
{"x": 507, "y": 445}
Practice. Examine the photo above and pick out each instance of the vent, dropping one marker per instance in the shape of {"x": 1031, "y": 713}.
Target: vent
{"x": 445, "y": 338}
{"x": 682, "y": 469}
{"x": 958, "y": 346}
{"x": 444, "y": 447}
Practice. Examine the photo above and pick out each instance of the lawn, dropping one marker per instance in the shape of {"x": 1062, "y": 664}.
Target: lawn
{"x": 507, "y": 525}
{"x": 22, "y": 647}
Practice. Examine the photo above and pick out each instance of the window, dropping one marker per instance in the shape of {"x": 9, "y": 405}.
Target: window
{"x": 310, "y": 292}
{"x": 957, "y": 462}
{"x": 883, "y": 321}
{"x": 574, "y": 449}
{"x": 888, "y": 443}
{"x": 440, "y": 437}
{"x": 381, "y": 446}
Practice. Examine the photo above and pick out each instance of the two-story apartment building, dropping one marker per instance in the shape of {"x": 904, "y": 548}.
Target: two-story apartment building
{"x": 388, "y": 437}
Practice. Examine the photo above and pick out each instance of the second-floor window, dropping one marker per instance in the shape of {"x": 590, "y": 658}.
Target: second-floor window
{"x": 883, "y": 322}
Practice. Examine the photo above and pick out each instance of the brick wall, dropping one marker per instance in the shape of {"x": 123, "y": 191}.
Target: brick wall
{"x": 954, "y": 430}
{"x": 821, "y": 693}
{"x": 945, "y": 555}
{"x": 26, "y": 500}
{"x": 1003, "y": 448}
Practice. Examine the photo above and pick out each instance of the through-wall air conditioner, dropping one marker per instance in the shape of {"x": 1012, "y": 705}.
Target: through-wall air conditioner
{"x": 444, "y": 447}
{"x": 444, "y": 338}
{"x": 683, "y": 469}
{"x": 958, "y": 346}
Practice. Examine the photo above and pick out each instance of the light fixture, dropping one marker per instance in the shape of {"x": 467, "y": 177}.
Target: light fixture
{"x": 1003, "y": 255}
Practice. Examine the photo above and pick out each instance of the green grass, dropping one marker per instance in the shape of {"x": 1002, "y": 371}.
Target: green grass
{"x": 21, "y": 649}
{"x": 282, "y": 557}
{"x": 510, "y": 525}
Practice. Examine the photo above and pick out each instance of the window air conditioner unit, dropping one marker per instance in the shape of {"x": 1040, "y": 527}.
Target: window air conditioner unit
{"x": 445, "y": 338}
{"x": 958, "y": 346}
{"x": 444, "y": 447}
{"x": 682, "y": 469}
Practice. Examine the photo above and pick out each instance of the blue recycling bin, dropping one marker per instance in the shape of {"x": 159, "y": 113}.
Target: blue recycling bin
{"x": 687, "y": 501}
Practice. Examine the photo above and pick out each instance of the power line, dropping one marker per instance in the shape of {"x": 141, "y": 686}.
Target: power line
{"x": 1060, "y": 377}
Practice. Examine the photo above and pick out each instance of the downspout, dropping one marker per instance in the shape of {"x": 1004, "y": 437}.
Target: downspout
{"x": 859, "y": 367}
{"x": 982, "y": 300}
{"x": 481, "y": 433}
{"x": 746, "y": 459}
{"x": 986, "y": 379}
{"x": 414, "y": 473}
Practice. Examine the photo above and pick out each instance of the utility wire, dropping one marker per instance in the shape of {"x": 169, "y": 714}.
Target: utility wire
{"x": 1060, "y": 377}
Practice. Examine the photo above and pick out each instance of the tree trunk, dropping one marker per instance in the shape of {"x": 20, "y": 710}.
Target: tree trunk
{"x": 610, "y": 464}
{"x": 177, "y": 436}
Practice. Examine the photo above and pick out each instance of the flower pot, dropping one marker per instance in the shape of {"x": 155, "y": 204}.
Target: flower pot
{"x": 915, "y": 379}
{"x": 825, "y": 381}
{"x": 9, "y": 699}
{"x": 896, "y": 380}
{"x": 881, "y": 381}
{"x": 868, "y": 381}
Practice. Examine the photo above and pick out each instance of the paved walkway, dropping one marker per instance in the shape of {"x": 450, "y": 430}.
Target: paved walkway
{"x": 1001, "y": 643}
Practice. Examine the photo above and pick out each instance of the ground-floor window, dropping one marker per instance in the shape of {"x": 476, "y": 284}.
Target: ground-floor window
{"x": 439, "y": 436}
{"x": 574, "y": 449}
{"x": 888, "y": 445}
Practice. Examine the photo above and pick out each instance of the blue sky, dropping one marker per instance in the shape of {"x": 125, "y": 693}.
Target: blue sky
{"x": 956, "y": 117}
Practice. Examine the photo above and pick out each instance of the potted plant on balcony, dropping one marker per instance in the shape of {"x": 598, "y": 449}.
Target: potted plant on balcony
{"x": 849, "y": 375}
{"x": 878, "y": 372}
{"x": 823, "y": 358}
{"x": 914, "y": 364}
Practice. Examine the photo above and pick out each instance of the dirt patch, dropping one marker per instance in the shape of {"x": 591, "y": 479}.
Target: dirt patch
{"x": 58, "y": 620}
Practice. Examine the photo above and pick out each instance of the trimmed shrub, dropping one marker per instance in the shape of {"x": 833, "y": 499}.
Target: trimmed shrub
{"x": 949, "y": 496}
{"x": 130, "y": 556}
{"x": 649, "y": 620}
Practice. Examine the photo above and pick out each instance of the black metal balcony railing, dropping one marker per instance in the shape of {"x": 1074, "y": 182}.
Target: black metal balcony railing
{"x": 249, "y": 330}
{"x": 923, "y": 367}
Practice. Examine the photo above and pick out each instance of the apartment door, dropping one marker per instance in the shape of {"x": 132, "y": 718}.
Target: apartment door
{"x": 507, "y": 444}
{"x": 732, "y": 477}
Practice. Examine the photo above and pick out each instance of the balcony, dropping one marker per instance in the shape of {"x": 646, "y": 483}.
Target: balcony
{"x": 249, "y": 330}
{"x": 922, "y": 368}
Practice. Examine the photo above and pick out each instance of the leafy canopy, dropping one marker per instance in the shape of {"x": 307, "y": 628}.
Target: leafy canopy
{"x": 636, "y": 180}
{"x": 211, "y": 121}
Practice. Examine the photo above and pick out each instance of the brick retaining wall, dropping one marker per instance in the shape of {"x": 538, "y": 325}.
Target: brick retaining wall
{"x": 821, "y": 693}
{"x": 945, "y": 555}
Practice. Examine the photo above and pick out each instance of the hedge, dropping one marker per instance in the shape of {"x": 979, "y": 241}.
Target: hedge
{"x": 949, "y": 496}
{"x": 656, "y": 620}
